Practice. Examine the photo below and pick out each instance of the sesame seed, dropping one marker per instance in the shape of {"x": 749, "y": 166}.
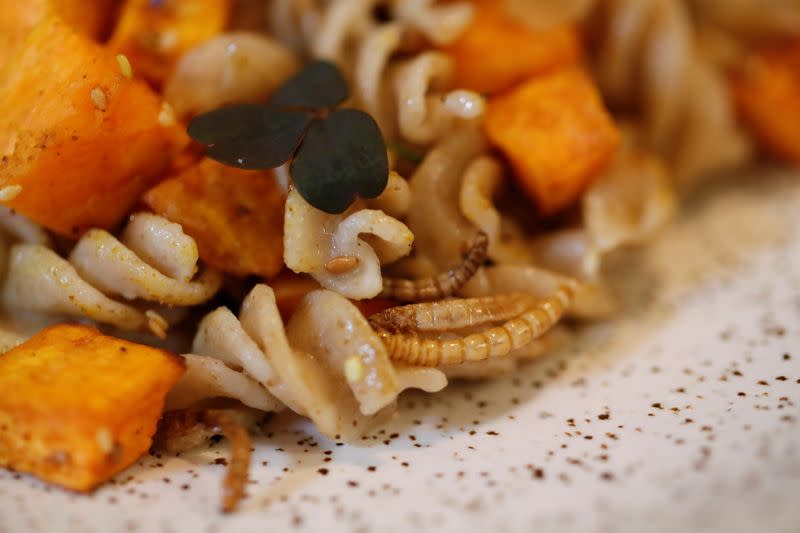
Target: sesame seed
{"x": 99, "y": 98}
{"x": 166, "y": 116}
{"x": 341, "y": 264}
{"x": 10, "y": 192}
{"x": 125, "y": 65}
{"x": 353, "y": 368}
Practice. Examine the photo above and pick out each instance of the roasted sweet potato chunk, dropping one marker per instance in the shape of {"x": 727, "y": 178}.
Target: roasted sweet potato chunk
{"x": 556, "y": 133}
{"x": 77, "y": 406}
{"x": 93, "y": 19}
{"x": 17, "y": 19}
{"x": 497, "y": 51}
{"x": 236, "y": 216}
{"x": 767, "y": 92}
{"x": 155, "y": 34}
{"x": 81, "y": 139}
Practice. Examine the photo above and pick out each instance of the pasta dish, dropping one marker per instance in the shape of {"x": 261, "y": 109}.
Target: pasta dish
{"x": 217, "y": 209}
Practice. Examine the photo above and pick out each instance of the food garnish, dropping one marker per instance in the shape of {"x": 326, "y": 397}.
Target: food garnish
{"x": 336, "y": 154}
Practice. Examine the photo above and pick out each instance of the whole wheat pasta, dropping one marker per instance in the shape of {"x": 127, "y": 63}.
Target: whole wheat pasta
{"x": 409, "y": 99}
{"x": 306, "y": 366}
{"x": 313, "y": 238}
{"x": 232, "y": 68}
{"x": 154, "y": 262}
{"x": 647, "y": 64}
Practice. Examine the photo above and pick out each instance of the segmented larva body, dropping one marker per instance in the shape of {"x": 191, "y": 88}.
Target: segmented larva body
{"x": 493, "y": 342}
{"x": 453, "y": 314}
{"x": 443, "y": 285}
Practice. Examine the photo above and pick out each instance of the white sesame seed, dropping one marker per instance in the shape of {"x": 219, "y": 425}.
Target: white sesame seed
{"x": 125, "y": 65}
{"x": 9, "y": 192}
{"x": 166, "y": 117}
{"x": 99, "y": 98}
{"x": 353, "y": 368}
{"x": 104, "y": 440}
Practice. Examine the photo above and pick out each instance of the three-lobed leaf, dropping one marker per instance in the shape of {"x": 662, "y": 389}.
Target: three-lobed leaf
{"x": 250, "y": 136}
{"x": 341, "y": 157}
{"x": 336, "y": 155}
{"x": 319, "y": 85}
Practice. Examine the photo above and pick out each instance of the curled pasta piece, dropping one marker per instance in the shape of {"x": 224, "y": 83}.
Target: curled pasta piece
{"x": 207, "y": 378}
{"x": 547, "y": 14}
{"x": 154, "y": 261}
{"x": 409, "y": 98}
{"x": 441, "y": 24}
{"x": 434, "y": 186}
{"x": 569, "y": 252}
{"x": 493, "y": 342}
{"x": 342, "y": 252}
{"x": 337, "y": 334}
{"x": 628, "y": 203}
{"x": 40, "y": 280}
{"x": 751, "y": 18}
{"x": 115, "y": 269}
{"x": 647, "y": 63}
{"x": 711, "y": 140}
{"x": 443, "y": 285}
{"x": 231, "y": 68}
{"x": 327, "y": 364}
{"x": 419, "y": 377}
{"x": 421, "y": 116}
{"x": 395, "y": 200}
{"x": 22, "y": 229}
{"x": 482, "y": 181}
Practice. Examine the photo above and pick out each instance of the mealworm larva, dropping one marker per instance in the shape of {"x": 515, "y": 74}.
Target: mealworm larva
{"x": 443, "y": 285}
{"x": 236, "y": 477}
{"x": 493, "y": 342}
{"x": 453, "y": 314}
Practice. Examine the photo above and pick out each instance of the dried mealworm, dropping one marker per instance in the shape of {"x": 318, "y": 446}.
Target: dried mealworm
{"x": 443, "y": 285}
{"x": 493, "y": 342}
{"x": 239, "y": 465}
{"x": 453, "y": 314}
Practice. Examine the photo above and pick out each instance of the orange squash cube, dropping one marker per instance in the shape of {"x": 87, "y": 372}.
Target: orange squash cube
{"x": 236, "y": 216}
{"x": 17, "y": 19}
{"x": 556, "y": 133}
{"x": 767, "y": 93}
{"x": 78, "y": 407}
{"x": 80, "y": 140}
{"x": 497, "y": 51}
{"x": 154, "y": 35}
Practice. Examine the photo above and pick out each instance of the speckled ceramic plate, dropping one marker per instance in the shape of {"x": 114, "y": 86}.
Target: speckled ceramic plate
{"x": 680, "y": 415}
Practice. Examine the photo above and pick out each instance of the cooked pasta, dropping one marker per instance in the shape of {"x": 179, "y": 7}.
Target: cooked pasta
{"x": 408, "y": 98}
{"x": 232, "y": 68}
{"x": 647, "y": 63}
{"x": 154, "y": 262}
{"x": 328, "y": 364}
{"x": 312, "y": 239}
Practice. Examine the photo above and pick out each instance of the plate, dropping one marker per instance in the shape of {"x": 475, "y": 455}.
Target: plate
{"x": 679, "y": 415}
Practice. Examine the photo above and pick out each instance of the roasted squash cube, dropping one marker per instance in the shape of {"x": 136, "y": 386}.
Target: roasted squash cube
{"x": 77, "y": 406}
{"x": 236, "y": 216}
{"x": 18, "y": 19}
{"x": 767, "y": 92}
{"x": 497, "y": 51}
{"x": 81, "y": 139}
{"x": 154, "y": 35}
{"x": 556, "y": 133}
